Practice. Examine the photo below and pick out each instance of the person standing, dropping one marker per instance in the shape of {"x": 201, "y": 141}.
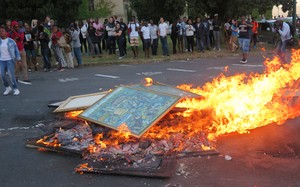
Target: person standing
{"x": 244, "y": 38}
{"x": 180, "y": 35}
{"x": 119, "y": 32}
{"x": 190, "y": 29}
{"x": 163, "y": 32}
{"x": 211, "y": 32}
{"x": 283, "y": 29}
{"x": 254, "y": 32}
{"x": 75, "y": 33}
{"x": 124, "y": 29}
{"x": 216, "y": 29}
{"x": 57, "y": 49}
{"x": 199, "y": 34}
{"x": 183, "y": 26}
{"x": 9, "y": 55}
{"x": 227, "y": 33}
{"x": 83, "y": 36}
{"x": 29, "y": 48}
{"x": 93, "y": 40}
{"x": 234, "y": 35}
{"x": 99, "y": 31}
{"x": 145, "y": 30}
{"x": 44, "y": 41}
{"x": 133, "y": 30}
{"x": 111, "y": 28}
{"x": 18, "y": 36}
{"x": 174, "y": 35}
{"x": 154, "y": 37}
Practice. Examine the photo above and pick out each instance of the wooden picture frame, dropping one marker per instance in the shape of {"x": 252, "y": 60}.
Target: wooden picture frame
{"x": 163, "y": 88}
{"x": 137, "y": 108}
{"x": 80, "y": 102}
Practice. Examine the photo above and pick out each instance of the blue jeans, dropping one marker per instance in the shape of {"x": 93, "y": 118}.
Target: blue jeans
{"x": 281, "y": 50}
{"x": 77, "y": 54}
{"x": 244, "y": 44}
{"x": 46, "y": 55}
{"x": 164, "y": 44}
{"x": 10, "y": 67}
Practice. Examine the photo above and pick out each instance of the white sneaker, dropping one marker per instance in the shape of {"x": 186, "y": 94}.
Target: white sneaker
{"x": 7, "y": 90}
{"x": 16, "y": 92}
{"x": 244, "y": 61}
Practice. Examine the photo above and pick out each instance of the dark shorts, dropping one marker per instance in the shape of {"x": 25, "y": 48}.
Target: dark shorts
{"x": 147, "y": 43}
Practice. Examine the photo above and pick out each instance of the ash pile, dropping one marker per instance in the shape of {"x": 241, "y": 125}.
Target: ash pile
{"x": 132, "y": 130}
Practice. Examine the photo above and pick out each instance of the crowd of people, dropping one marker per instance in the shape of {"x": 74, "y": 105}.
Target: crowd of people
{"x": 92, "y": 37}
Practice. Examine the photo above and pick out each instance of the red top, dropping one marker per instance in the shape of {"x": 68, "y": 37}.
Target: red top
{"x": 18, "y": 37}
{"x": 56, "y": 36}
{"x": 254, "y": 27}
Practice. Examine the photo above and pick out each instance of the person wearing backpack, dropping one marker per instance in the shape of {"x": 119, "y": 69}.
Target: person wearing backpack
{"x": 283, "y": 29}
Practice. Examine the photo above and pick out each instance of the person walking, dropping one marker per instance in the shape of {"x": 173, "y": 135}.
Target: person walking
{"x": 244, "y": 38}
{"x": 9, "y": 55}
{"x": 163, "y": 32}
{"x": 254, "y": 32}
{"x": 18, "y": 36}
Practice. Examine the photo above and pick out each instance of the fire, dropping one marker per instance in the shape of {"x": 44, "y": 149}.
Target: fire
{"x": 122, "y": 135}
{"x": 243, "y": 102}
{"x": 263, "y": 49}
{"x": 148, "y": 81}
{"x": 44, "y": 141}
{"x": 83, "y": 167}
{"x": 73, "y": 114}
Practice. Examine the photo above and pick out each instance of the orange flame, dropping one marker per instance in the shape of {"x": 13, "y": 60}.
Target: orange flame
{"x": 73, "y": 114}
{"x": 148, "y": 81}
{"x": 83, "y": 167}
{"x": 263, "y": 49}
{"x": 53, "y": 143}
{"x": 244, "y": 102}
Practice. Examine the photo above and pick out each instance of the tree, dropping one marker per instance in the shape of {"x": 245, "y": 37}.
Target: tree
{"x": 230, "y": 8}
{"x": 63, "y": 11}
{"x": 154, "y": 9}
{"x": 100, "y": 8}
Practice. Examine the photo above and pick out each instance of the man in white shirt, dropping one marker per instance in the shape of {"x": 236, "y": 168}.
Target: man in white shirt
{"x": 133, "y": 30}
{"x": 147, "y": 38}
{"x": 283, "y": 30}
{"x": 163, "y": 33}
{"x": 154, "y": 37}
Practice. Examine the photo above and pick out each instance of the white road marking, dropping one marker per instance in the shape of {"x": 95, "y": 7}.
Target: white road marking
{"x": 68, "y": 79}
{"x": 182, "y": 70}
{"x": 125, "y": 65}
{"x": 217, "y": 68}
{"x": 40, "y": 125}
{"x": 107, "y": 76}
{"x": 248, "y": 65}
{"x": 23, "y": 82}
{"x": 149, "y": 73}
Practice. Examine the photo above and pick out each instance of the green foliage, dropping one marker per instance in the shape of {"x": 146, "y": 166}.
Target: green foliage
{"x": 63, "y": 11}
{"x": 103, "y": 8}
{"x": 230, "y": 8}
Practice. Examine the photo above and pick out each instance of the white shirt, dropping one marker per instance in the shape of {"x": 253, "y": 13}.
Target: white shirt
{"x": 146, "y": 32}
{"x": 189, "y": 29}
{"x": 5, "y": 55}
{"x": 132, "y": 27}
{"x": 153, "y": 31}
{"x": 285, "y": 32}
{"x": 163, "y": 29}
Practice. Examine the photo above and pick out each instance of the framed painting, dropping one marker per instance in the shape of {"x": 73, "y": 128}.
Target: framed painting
{"x": 80, "y": 102}
{"x": 162, "y": 88}
{"x": 137, "y": 108}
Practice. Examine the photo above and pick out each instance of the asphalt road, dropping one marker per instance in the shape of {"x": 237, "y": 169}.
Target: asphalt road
{"x": 254, "y": 160}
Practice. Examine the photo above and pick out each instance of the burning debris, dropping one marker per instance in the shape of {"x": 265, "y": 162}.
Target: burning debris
{"x": 143, "y": 138}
